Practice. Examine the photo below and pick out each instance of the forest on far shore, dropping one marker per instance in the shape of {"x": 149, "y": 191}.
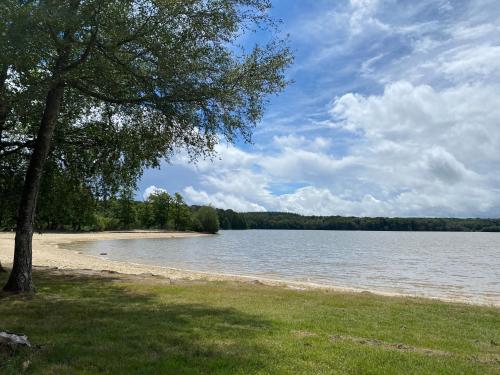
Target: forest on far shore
{"x": 283, "y": 220}
{"x": 77, "y": 210}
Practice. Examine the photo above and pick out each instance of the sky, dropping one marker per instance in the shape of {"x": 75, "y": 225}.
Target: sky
{"x": 394, "y": 110}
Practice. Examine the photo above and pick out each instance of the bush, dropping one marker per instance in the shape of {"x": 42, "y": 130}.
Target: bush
{"x": 195, "y": 224}
{"x": 105, "y": 223}
{"x": 208, "y": 219}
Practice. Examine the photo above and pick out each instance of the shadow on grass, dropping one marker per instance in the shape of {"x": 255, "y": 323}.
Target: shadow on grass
{"x": 90, "y": 325}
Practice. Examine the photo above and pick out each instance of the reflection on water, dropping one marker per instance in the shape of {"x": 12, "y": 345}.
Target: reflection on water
{"x": 434, "y": 264}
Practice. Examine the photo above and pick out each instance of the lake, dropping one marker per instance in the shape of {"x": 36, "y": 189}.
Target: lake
{"x": 464, "y": 266}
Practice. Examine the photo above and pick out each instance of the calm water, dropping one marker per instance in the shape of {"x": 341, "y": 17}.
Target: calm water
{"x": 435, "y": 264}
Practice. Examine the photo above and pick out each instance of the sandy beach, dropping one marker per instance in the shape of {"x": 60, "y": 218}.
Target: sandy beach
{"x": 49, "y": 251}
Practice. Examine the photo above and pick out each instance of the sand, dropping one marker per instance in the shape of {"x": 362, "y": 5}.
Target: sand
{"x": 49, "y": 251}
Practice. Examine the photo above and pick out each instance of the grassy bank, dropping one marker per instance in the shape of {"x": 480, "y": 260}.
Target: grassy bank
{"x": 93, "y": 325}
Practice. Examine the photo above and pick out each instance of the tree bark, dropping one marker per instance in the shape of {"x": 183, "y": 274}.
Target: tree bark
{"x": 20, "y": 279}
{"x": 3, "y": 113}
{"x": 3, "y": 106}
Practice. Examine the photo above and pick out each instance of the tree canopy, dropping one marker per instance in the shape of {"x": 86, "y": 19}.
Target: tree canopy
{"x": 101, "y": 89}
{"x": 207, "y": 219}
{"x": 141, "y": 78}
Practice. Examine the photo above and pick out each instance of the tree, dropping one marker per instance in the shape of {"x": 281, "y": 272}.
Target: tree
{"x": 127, "y": 83}
{"x": 160, "y": 203}
{"x": 207, "y": 216}
{"x": 126, "y": 210}
{"x": 145, "y": 215}
{"x": 181, "y": 214}
{"x": 65, "y": 201}
{"x": 230, "y": 219}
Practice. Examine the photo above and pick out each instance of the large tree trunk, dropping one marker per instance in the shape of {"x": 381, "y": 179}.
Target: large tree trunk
{"x": 20, "y": 279}
{"x": 3, "y": 106}
{"x": 3, "y": 112}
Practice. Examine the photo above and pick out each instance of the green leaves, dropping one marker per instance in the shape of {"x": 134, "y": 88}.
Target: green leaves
{"x": 208, "y": 220}
{"x": 142, "y": 79}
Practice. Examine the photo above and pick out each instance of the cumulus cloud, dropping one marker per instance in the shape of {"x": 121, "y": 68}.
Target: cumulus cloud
{"x": 221, "y": 200}
{"x": 429, "y": 150}
{"x": 420, "y": 151}
{"x": 406, "y": 119}
{"x": 423, "y": 141}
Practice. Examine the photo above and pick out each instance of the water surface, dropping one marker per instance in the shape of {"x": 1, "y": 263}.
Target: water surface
{"x": 464, "y": 266}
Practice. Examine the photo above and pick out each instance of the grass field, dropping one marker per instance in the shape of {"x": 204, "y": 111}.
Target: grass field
{"x": 93, "y": 325}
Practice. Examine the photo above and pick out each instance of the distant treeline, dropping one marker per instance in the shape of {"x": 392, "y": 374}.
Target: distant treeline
{"x": 229, "y": 219}
{"x": 73, "y": 207}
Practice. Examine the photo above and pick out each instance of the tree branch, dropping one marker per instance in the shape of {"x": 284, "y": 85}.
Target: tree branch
{"x": 96, "y": 95}
{"x": 85, "y": 53}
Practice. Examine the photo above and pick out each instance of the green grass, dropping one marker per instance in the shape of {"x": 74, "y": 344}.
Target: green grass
{"x": 91, "y": 325}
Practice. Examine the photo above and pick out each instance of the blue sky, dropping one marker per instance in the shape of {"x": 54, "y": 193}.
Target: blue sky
{"x": 393, "y": 111}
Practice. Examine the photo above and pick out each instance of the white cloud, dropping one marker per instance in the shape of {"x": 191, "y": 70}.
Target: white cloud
{"x": 422, "y": 152}
{"x": 427, "y": 142}
{"x": 363, "y": 15}
{"x": 409, "y": 117}
{"x": 321, "y": 201}
{"x": 152, "y": 190}
{"x": 294, "y": 141}
{"x": 221, "y": 200}
{"x": 472, "y": 63}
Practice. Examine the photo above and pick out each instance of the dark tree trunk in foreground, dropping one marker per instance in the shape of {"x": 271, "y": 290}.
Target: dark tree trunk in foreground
{"x": 3, "y": 113}
{"x": 3, "y": 106}
{"x": 20, "y": 279}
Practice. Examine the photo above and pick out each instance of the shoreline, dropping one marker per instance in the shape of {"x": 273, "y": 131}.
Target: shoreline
{"x": 49, "y": 251}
